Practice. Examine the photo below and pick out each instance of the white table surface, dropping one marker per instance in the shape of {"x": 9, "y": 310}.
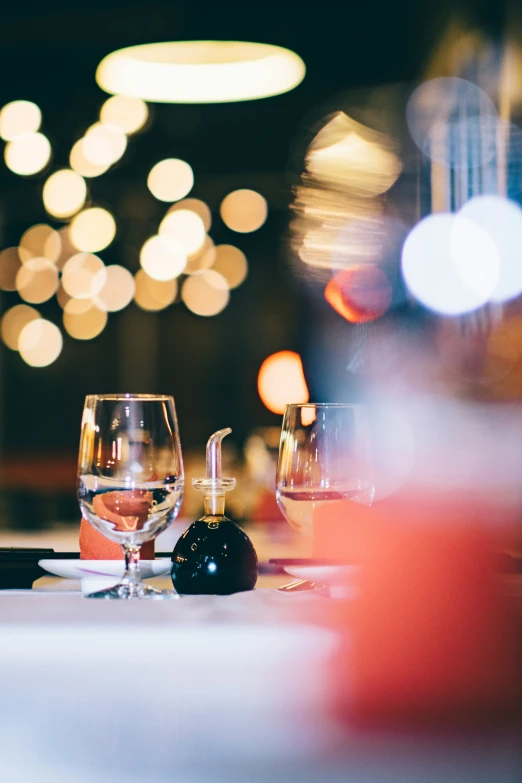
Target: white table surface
{"x": 199, "y": 690}
{"x": 196, "y": 690}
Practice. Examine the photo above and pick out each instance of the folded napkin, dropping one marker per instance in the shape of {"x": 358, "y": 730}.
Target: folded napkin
{"x": 126, "y": 510}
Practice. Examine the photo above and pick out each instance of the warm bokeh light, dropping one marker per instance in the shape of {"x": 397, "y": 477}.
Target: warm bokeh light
{"x": 163, "y": 257}
{"x": 10, "y": 263}
{"x": 153, "y": 294}
{"x": 83, "y": 324}
{"x": 63, "y": 297}
{"x": 230, "y": 262}
{"x": 197, "y": 206}
{"x": 37, "y": 280}
{"x": 346, "y": 153}
{"x": 339, "y": 203}
{"x": 13, "y": 321}
{"x": 203, "y": 259}
{"x": 80, "y": 163}
{"x": 360, "y": 294}
{"x": 170, "y": 179}
{"x": 67, "y": 248}
{"x": 83, "y": 276}
{"x": 281, "y": 381}
{"x": 104, "y": 144}
{"x": 244, "y": 210}
{"x": 40, "y": 343}
{"x": 129, "y": 114}
{"x": 19, "y": 117}
{"x": 186, "y": 227}
{"x": 200, "y": 71}
{"x": 28, "y": 154}
{"x": 92, "y": 230}
{"x": 205, "y": 293}
{"x": 118, "y": 288}
{"x": 40, "y": 241}
{"x": 64, "y": 193}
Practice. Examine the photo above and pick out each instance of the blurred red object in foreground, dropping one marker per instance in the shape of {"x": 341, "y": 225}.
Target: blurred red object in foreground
{"x": 360, "y": 294}
{"x": 431, "y": 636}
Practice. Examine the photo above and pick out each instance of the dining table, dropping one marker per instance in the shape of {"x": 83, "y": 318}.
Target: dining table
{"x": 203, "y": 689}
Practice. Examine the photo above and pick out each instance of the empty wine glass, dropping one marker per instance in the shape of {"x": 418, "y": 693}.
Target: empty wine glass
{"x": 130, "y": 477}
{"x": 324, "y": 456}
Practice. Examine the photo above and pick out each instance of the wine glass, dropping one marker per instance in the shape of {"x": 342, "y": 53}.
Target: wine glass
{"x": 324, "y": 456}
{"x": 130, "y": 477}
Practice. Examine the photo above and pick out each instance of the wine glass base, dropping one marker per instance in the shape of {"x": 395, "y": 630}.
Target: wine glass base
{"x": 129, "y": 590}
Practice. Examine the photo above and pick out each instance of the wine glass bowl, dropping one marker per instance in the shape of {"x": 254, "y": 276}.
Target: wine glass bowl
{"x": 130, "y": 476}
{"x": 324, "y": 456}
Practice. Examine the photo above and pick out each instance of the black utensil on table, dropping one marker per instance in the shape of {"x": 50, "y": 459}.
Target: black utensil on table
{"x": 19, "y": 567}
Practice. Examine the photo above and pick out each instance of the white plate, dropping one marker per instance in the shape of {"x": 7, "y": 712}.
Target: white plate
{"x": 340, "y": 579}
{"x": 81, "y": 569}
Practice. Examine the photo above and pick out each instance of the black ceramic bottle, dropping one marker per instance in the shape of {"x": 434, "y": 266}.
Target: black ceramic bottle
{"x": 214, "y": 556}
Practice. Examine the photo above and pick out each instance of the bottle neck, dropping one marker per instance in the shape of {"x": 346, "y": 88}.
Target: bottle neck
{"x": 214, "y": 504}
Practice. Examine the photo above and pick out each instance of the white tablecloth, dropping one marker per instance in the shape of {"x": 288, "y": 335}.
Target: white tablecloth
{"x": 198, "y": 690}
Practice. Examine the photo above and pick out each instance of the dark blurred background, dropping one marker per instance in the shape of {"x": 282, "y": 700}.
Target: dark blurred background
{"x": 48, "y": 54}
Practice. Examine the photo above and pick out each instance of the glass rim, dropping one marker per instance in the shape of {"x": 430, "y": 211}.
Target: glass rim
{"x": 129, "y": 396}
{"x": 325, "y": 405}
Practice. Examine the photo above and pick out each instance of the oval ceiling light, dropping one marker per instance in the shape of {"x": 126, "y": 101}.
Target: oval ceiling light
{"x": 200, "y": 71}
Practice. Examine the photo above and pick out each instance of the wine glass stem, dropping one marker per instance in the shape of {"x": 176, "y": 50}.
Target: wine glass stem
{"x": 132, "y": 564}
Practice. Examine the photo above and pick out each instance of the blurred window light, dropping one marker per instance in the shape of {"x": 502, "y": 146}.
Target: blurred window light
{"x": 19, "y": 117}
{"x": 118, "y": 288}
{"x": 40, "y": 240}
{"x": 40, "y": 343}
{"x": 28, "y": 154}
{"x": 244, "y": 210}
{"x": 231, "y": 263}
{"x": 64, "y": 193}
{"x": 163, "y": 257}
{"x": 361, "y": 294}
{"x": 185, "y": 226}
{"x": 153, "y": 294}
{"x": 80, "y": 163}
{"x": 129, "y": 114}
{"x": 205, "y": 293}
{"x": 84, "y": 324}
{"x": 10, "y": 263}
{"x": 37, "y": 280}
{"x": 92, "y": 230}
{"x": 203, "y": 259}
{"x": 501, "y": 219}
{"x": 281, "y": 381}
{"x": 170, "y": 179}
{"x": 197, "y": 206}
{"x": 13, "y": 321}
{"x": 80, "y": 278}
{"x": 201, "y": 71}
{"x": 439, "y": 258}
{"x": 449, "y": 119}
{"x": 346, "y": 153}
{"x": 104, "y": 144}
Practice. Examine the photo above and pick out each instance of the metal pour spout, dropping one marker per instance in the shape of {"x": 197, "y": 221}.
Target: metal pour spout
{"x": 214, "y": 453}
{"x": 214, "y": 485}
